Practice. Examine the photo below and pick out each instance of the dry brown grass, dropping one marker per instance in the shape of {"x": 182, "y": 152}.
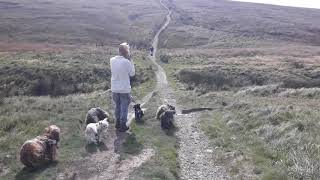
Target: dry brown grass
{"x": 57, "y": 73}
{"x": 264, "y": 86}
{"x": 80, "y": 22}
{"x": 226, "y": 24}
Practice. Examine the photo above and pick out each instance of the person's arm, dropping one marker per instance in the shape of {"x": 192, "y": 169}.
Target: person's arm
{"x": 110, "y": 62}
{"x": 131, "y": 68}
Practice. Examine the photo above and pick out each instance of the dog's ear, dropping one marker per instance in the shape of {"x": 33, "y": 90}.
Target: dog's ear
{"x": 165, "y": 101}
{"x": 171, "y": 107}
{"x": 46, "y": 130}
{"x": 106, "y": 120}
{"x": 52, "y": 132}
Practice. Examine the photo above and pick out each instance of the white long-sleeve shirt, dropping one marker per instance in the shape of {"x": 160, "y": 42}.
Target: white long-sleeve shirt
{"x": 121, "y": 70}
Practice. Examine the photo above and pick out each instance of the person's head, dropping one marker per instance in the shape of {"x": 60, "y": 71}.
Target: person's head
{"x": 124, "y": 50}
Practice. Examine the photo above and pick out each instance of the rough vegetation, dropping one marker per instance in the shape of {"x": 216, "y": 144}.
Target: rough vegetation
{"x": 54, "y": 67}
{"x": 227, "y": 24}
{"x": 62, "y": 73}
{"x": 24, "y": 23}
{"x": 255, "y": 67}
{"x": 259, "y": 75}
{"x": 24, "y": 117}
{"x": 164, "y": 164}
{"x": 211, "y": 71}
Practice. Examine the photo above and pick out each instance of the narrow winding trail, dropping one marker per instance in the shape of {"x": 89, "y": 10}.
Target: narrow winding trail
{"x": 162, "y": 82}
{"x": 105, "y": 163}
{"x": 195, "y": 154}
{"x": 161, "y": 76}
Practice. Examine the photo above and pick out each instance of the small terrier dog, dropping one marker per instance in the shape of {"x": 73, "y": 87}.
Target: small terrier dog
{"x": 166, "y": 119}
{"x": 163, "y": 108}
{"x": 42, "y": 149}
{"x": 95, "y": 132}
{"x": 165, "y": 114}
{"x": 138, "y": 112}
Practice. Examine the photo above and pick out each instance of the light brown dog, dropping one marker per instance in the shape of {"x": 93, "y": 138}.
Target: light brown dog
{"x": 42, "y": 149}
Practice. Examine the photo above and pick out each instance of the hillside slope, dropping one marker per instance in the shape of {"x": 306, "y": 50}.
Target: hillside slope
{"x": 257, "y": 68}
{"x": 79, "y": 22}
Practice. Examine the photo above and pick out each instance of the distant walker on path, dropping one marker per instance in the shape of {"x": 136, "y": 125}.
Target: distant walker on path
{"x": 122, "y": 68}
{"x": 151, "y": 51}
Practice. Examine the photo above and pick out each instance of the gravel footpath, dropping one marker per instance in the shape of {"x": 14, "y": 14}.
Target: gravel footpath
{"x": 195, "y": 155}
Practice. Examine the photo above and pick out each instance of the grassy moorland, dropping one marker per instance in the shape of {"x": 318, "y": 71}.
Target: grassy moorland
{"x": 227, "y": 24}
{"x": 56, "y": 88}
{"x": 257, "y": 66}
{"x": 61, "y": 73}
{"x": 54, "y": 66}
{"x": 80, "y": 22}
{"x": 25, "y": 117}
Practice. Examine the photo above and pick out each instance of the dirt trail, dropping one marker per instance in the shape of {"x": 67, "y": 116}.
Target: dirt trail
{"x": 162, "y": 82}
{"x": 195, "y": 154}
{"x": 105, "y": 162}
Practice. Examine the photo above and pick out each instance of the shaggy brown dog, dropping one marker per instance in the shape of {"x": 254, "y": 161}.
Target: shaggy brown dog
{"x": 42, "y": 149}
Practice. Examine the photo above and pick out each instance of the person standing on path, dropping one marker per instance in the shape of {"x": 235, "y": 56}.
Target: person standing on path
{"x": 122, "y": 68}
{"x": 151, "y": 51}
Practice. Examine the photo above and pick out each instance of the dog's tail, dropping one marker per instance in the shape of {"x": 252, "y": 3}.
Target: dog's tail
{"x": 144, "y": 110}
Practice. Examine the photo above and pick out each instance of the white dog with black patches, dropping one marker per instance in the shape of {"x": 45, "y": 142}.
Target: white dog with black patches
{"x": 95, "y": 132}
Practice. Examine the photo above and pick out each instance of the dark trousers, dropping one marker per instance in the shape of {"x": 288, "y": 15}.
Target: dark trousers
{"x": 122, "y": 101}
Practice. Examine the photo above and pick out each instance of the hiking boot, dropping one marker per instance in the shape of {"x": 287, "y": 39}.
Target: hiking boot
{"x": 124, "y": 128}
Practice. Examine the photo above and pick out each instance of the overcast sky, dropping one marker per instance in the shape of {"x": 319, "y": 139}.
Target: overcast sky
{"x": 294, "y": 3}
